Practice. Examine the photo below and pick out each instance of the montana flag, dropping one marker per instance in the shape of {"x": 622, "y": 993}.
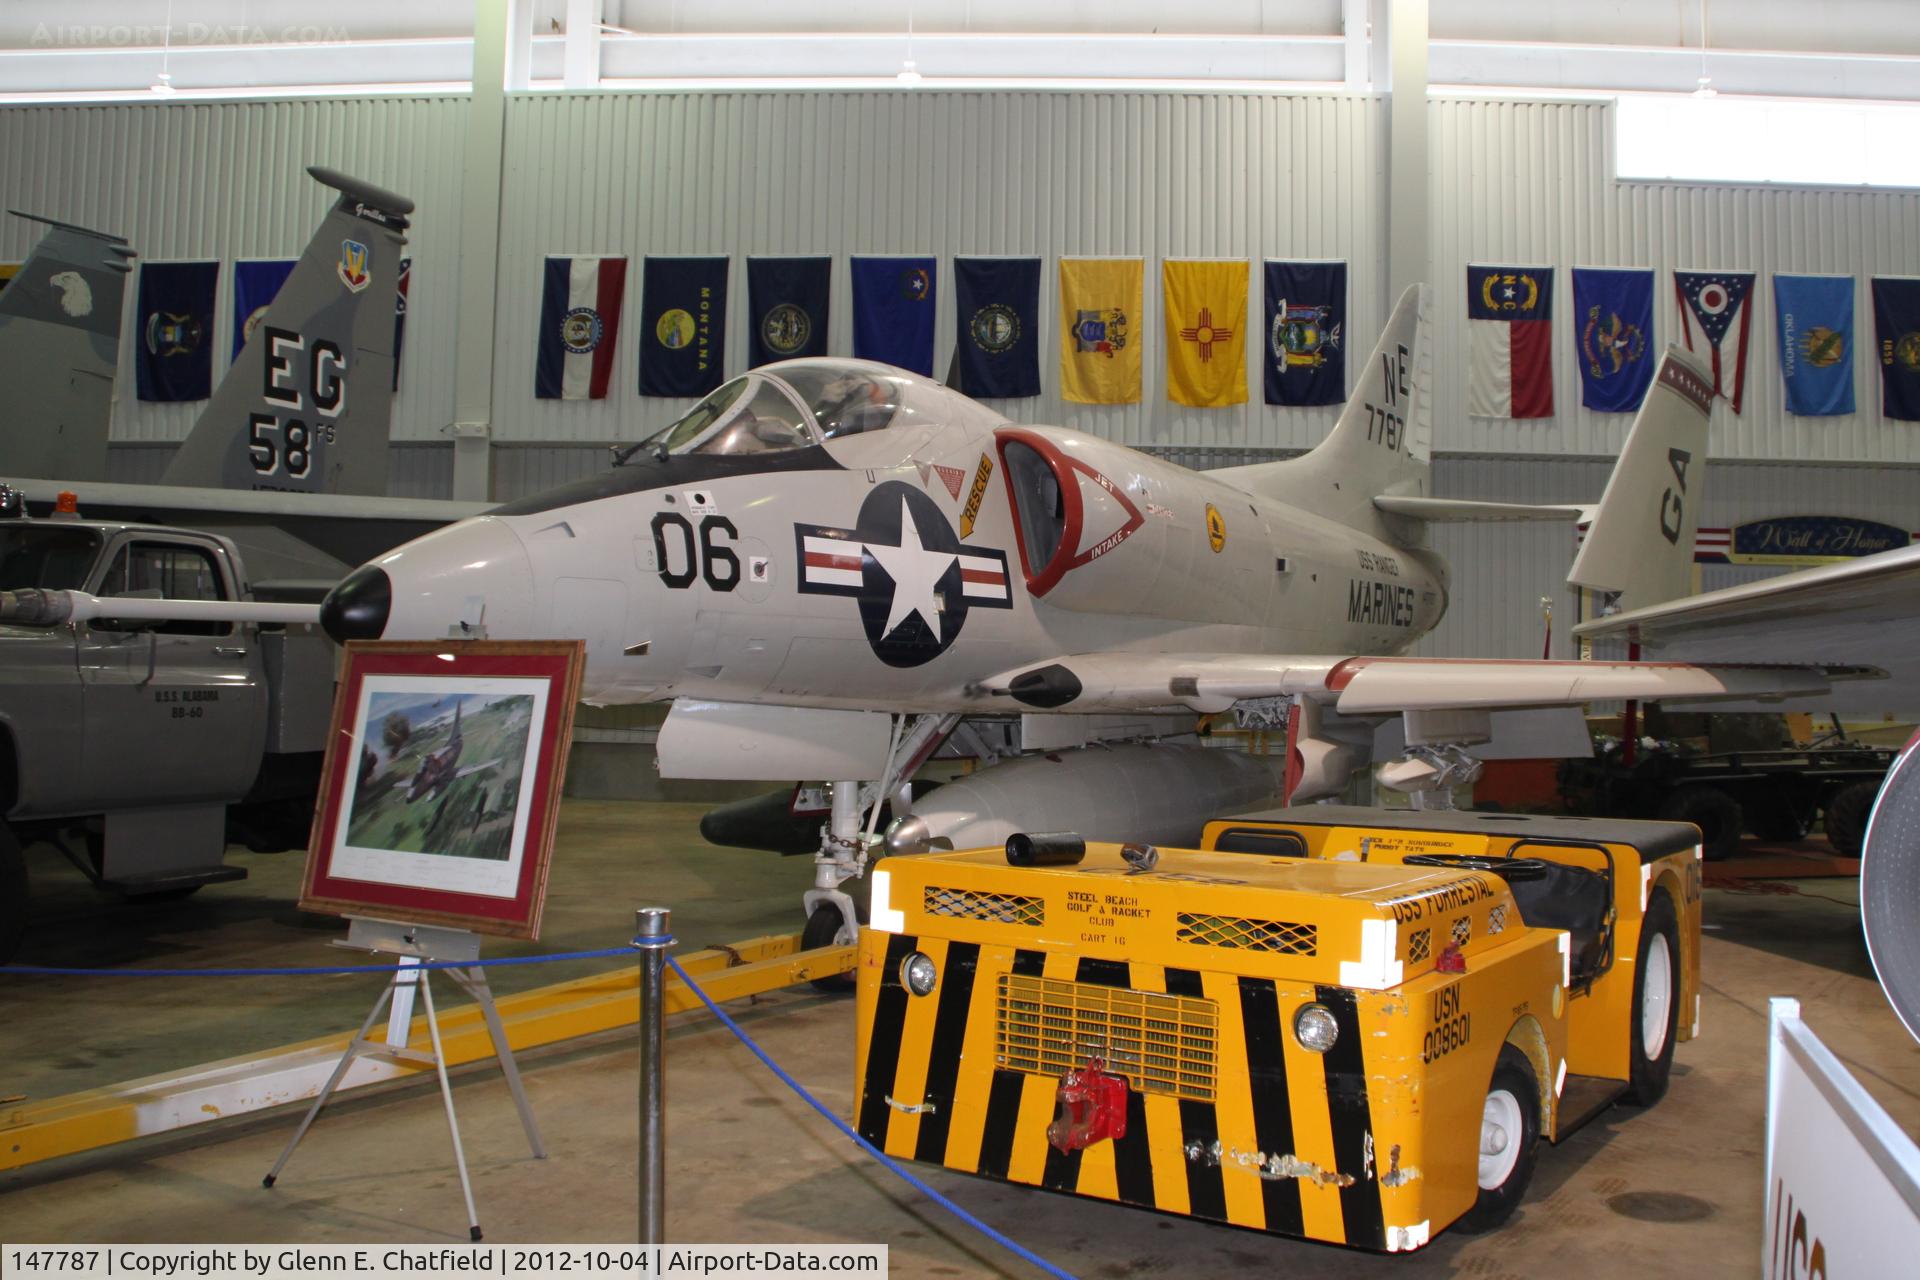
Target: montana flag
{"x": 255, "y": 282}
{"x": 1205, "y": 304}
{"x": 787, "y": 308}
{"x": 173, "y": 359}
{"x": 1100, "y": 330}
{"x": 893, "y": 311}
{"x": 1896, "y": 332}
{"x": 8, "y": 270}
{"x": 683, "y": 326}
{"x": 996, "y": 349}
{"x": 1306, "y": 311}
{"x": 1510, "y": 342}
{"x": 579, "y": 327}
{"x": 402, "y": 286}
{"x": 1613, "y": 325}
{"x": 1814, "y": 316}
{"x": 1715, "y": 317}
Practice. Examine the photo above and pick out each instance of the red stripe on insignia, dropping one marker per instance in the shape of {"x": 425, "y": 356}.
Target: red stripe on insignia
{"x": 993, "y": 576}
{"x": 828, "y": 560}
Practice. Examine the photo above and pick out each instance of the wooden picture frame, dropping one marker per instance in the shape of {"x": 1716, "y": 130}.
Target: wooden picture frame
{"x": 440, "y": 792}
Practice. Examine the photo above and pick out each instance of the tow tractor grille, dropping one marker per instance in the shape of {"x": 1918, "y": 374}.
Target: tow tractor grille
{"x": 1162, "y": 1044}
{"x": 1279, "y": 936}
{"x": 969, "y": 904}
{"x": 1419, "y": 945}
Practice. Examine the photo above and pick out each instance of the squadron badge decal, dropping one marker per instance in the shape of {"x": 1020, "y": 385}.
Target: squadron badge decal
{"x": 352, "y": 267}
{"x": 914, "y": 582}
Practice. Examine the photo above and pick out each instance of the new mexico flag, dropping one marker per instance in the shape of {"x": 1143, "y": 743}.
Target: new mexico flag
{"x": 1206, "y": 313}
{"x": 1100, "y": 330}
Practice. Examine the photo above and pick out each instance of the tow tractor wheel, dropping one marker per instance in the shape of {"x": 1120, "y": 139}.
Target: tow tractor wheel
{"x": 13, "y": 894}
{"x": 1509, "y": 1141}
{"x": 826, "y": 927}
{"x": 1846, "y": 817}
{"x": 1656, "y": 1002}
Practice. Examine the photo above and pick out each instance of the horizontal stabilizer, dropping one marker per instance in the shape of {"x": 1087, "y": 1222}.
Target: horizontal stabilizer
{"x": 1457, "y": 511}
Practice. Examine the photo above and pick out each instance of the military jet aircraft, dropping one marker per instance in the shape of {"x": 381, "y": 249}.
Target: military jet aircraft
{"x": 831, "y": 567}
{"x": 441, "y": 770}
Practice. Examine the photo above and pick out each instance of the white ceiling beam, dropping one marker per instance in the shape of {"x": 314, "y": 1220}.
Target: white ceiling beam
{"x": 581, "y": 63}
{"x": 1620, "y": 68}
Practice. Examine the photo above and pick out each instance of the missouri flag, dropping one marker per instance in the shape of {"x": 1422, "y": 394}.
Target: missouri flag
{"x": 1100, "y": 330}
{"x": 1205, "y": 304}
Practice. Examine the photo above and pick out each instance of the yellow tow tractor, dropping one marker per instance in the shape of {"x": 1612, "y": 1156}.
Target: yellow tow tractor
{"x": 1347, "y": 1024}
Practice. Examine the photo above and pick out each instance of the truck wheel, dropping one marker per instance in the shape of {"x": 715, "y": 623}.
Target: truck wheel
{"x": 827, "y": 928}
{"x": 1711, "y": 810}
{"x": 13, "y": 895}
{"x": 1847, "y": 814}
{"x": 1509, "y": 1140}
{"x": 1656, "y": 1002}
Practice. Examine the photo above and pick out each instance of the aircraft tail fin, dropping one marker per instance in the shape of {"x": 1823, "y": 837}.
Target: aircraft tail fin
{"x": 1640, "y": 544}
{"x": 59, "y": 347}
{"x": 307, "y": 405}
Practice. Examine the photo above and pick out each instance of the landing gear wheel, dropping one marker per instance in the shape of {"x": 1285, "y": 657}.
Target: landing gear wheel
{"x": 1847, "y": 815}
{"x": 13, "y": 895}
{"x": 1713, "y": 811}
{"x": 1509, "y": 1142}
{"x": 1656, "y": 1003}
{"x": 826, "y": 927}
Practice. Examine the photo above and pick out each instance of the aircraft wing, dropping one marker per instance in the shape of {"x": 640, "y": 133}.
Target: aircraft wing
{"x": 472, "y": 769}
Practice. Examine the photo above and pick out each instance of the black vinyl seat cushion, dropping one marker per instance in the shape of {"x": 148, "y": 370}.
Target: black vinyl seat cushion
{"x": 1570, "y": 898}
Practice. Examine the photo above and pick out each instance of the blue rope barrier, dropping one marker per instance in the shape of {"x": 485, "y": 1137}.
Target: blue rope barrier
{"x": 54, "y": 971}
{"x": 1018, "y": 1250}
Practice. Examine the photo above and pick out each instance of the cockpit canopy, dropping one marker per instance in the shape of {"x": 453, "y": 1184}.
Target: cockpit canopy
{"x": 790, "y": 405}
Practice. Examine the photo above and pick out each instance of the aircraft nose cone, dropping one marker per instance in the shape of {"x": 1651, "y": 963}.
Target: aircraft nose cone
{"x": 357, "y": 608}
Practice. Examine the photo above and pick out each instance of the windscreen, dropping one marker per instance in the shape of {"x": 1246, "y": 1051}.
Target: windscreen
{"x": 843, "y": 401}
{"x": 746, "y": 415}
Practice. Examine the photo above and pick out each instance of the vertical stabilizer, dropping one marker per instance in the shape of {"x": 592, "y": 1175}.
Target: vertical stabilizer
{"x": 1641, "y": 541}
{"x": 307, "y": 406}
{"x": 59, "y": 347}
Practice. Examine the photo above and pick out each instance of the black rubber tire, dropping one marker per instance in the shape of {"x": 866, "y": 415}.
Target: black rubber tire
{"x": 1647, "y": 1077}
{"x": 823, "y": 930}
{"x": 15, "y": 898}
{"x": 1512, "y": 1071}
{"x": 1715, "y": 812}
{"x": 1846, "y": 817}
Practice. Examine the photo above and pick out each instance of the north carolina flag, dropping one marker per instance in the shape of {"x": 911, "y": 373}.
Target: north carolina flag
{"x": 1714, "y": 315}
{"x": 579, "y": 325}
{"x": 1510, "y": 342}
{"x": 1206, "y": 317}
{"x": 1100, "y": 333}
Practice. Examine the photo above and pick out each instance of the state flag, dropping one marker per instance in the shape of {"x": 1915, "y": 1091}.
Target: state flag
{"x": 1305, "y": 360}
{"x": 1205, "y": 306}
{"x": 1715, "y": 317}
{"x": 579, "y": 327}
{"x": 683, "y": 326}
{"x": 1510, "y": 342}
{"x": 1613, "y": 319}
{"x": 255, "y": 283}
{"x": 1896, "y": 331}
{"x": 893, "y": 311}
{"x": 1100, "y": 334}
{"x": 402, "y": 286}
{"x": 996, "y": 350}
{"x": 1814, "y": 319}
{"x": 175, "y": 308}
{"x": 787, "y": 306}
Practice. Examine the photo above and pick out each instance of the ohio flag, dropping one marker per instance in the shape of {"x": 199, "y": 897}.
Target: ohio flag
{"x": 1510, "y": 342}
{"x": 579, "y": 324}
{"x": 1714, "y": 316}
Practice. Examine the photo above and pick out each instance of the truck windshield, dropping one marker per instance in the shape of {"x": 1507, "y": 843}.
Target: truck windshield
{"x": 46, "y": 556}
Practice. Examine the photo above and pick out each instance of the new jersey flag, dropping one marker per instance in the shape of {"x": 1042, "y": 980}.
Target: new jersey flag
{"x": 893, "y": 311}
{"x": 1814, "y": 317}
{"x": 996, "y": 350}
{"x": 787, "y": 308}
{"x": 1714, "y": 316}
{"x": 1305, "y": 360}
{"x": 174, "y": 358}
{"x": 1510, "y": 342}
{"x": 579, "y": 327}
{"x": 1100, "y": 330}
{"x": 1896, "y": 331}
{"x": 255, "y": 282}
{"x": 1613, "y": 321}
{"x": 1205, "y": 304}
{"x": 683, "y": 326}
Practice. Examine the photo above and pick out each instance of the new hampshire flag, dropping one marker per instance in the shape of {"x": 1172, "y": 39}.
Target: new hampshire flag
{"x": 579, "y": 325}
{"x": 1815, "y": 322}
{"x": 1715, "y": 317}
{"x": 893, "y": 311}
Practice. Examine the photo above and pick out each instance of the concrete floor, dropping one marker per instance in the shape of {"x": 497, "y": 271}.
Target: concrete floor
{"x": 1677, "y": 1190}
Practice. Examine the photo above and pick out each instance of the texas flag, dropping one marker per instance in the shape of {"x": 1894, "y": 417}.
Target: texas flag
{"x": 1510, "y": 342}
{"x": 579, "y": 325}
{"x": 1714, "y": 315}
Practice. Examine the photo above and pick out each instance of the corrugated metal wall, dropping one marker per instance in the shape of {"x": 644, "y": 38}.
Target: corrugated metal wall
{"x": 1531, "y": 183}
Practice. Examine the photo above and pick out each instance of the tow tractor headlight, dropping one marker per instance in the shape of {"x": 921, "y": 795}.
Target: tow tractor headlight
{"x": 918, "y": 975}
{"x": 1314, "y": 1027}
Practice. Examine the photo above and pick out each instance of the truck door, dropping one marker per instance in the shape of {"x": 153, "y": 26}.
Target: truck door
{"x": 175, "y": 711}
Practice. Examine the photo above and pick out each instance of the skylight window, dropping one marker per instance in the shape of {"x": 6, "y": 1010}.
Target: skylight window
{"x": 1787, "y": 142}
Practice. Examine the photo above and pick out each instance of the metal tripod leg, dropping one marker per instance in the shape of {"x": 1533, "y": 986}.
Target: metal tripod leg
{"x": 446, "y": 1093}
{"x": 333, "y": 1082}
{"x": 475, "y": 981}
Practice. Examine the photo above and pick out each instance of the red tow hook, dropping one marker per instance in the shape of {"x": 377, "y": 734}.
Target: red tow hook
{"x": 1092, "y": 1106}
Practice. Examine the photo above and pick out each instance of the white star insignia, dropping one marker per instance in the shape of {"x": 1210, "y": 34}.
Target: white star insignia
{"x": 915, "y": 571}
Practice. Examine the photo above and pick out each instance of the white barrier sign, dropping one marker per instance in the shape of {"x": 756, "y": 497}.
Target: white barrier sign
{"x": 1843, "y": 1182}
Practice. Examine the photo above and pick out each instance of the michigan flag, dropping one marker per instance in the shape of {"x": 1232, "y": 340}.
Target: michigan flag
{"x": 1206, "y": 318}
{"x": 1510, "y": 342}
{"x": 787, "y": 308}
{"x": 1100, "y": 330}
{"x": 255, "y": 282}
{"x": 1613, "y": 327}
{"x": 1814, "y": 316}
{"x": 174, "y": 358}
{"x": 996, "y": 349}
{"x": 1715, "y": 317}
{"x": 579, "y": 327}
{"x": 1306, "y": 308}
{"x": 893, "y": 311}
{"x": 1896, "y": 331}
{"x": 683, "y": 326}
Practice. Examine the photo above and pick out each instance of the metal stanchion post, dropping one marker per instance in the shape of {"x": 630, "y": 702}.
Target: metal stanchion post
{"x": 652, "y": 936}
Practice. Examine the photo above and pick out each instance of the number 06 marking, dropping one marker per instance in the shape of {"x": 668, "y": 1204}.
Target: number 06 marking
{"x": 702, "y": 558}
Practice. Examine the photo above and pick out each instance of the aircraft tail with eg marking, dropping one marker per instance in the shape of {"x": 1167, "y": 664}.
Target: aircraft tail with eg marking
{"x": 307, "y": 405}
